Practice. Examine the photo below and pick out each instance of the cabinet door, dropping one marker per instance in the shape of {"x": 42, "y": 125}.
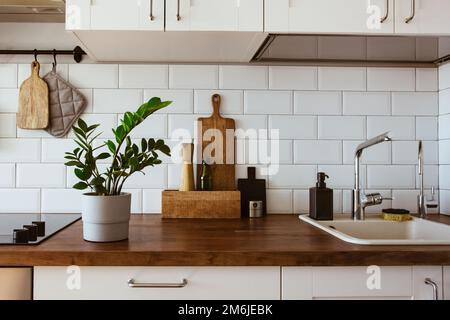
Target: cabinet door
{"x": 246, "y": 283}
{"x": 329, "y": 16}
{"x": 346, "y": 283}
{"x": 446, "y": 287}
{"x": 429, "y": 17}
{"x": 15, "y": 283}
{"x": 214, "y": 15}
{"x": 431, "y": 289}
{"x": 78, "y": 14}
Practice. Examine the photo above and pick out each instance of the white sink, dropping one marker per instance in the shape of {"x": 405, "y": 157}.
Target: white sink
{"x": 376, "y": 231}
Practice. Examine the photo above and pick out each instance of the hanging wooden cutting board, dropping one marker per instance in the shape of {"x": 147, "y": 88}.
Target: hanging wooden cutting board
{"x": 33, "y": 101}
{"x": 223, "y": 174}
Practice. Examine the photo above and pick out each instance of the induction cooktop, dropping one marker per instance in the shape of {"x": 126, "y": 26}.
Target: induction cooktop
{"x": 32, "y": 229}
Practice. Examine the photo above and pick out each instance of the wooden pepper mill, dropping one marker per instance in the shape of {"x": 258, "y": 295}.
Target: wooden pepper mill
{"x": 187, "y": 171}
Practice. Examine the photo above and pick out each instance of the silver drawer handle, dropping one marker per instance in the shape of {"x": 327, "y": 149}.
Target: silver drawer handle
{"x": 178, "y": 10}
{"x": 133, "y": 284}
{"x": 413, "y": 12}
{"x": 434, "y": 285}
{"x": 383, "y": 19}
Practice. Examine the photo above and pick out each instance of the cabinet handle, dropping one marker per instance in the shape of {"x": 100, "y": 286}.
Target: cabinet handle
{"x": 383, "y": 19}
{"x": 433, "y": 284}
{"x": 413, "y": 12}
{"x": 151, "y": 16}
{"x": 133, "y": 284}
{"x": 178, "y": 10}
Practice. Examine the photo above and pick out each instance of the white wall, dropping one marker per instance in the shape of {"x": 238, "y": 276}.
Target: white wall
{"x": 322, "y": 114}
{"x": 444, "y": 137}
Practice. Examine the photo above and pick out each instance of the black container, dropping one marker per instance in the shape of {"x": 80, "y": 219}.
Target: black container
{"x": 20, "y": 236}
{"x": 32, "y": 231}
{"x": 40, "y": 228}
{"x": 321, "y": 199}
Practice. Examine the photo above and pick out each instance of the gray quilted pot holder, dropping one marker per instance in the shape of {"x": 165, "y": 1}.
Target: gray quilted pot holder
{"x": 66, "y": 104}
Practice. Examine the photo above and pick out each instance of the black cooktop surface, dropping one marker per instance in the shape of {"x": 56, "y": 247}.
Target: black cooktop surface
{"x": 32, "y": 229}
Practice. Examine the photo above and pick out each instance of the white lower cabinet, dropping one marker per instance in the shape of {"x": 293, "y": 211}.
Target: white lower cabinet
{"x": 260, "y": 283}
{"x": 361, "y": 282}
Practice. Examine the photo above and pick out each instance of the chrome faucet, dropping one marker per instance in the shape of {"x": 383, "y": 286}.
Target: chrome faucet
{"x": 361, "y": 201}
{"x": 421, "y": 210}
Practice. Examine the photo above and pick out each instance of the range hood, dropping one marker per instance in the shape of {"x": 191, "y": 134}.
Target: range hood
{"x": 32, "y": 10}
{"x": 354, "y": 50}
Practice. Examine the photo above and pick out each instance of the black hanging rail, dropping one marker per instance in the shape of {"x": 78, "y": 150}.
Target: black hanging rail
{"x": 77, "y": 52}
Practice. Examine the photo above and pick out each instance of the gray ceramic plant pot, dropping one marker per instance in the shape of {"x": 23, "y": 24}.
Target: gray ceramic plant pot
{"x": 105, "y": 218}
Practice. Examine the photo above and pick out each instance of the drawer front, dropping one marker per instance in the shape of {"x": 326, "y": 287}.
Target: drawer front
{"x": 112, "y": 283}
{"x": 346, "y": 283}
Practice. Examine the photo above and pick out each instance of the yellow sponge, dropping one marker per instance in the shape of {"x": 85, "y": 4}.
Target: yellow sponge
{"x": 396, "y": 217}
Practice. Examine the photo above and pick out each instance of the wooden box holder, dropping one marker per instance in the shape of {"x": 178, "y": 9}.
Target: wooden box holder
{"x": 201, "y": 204}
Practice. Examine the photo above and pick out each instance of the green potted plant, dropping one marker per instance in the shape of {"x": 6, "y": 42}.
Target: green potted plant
{"x": 106, "y": 209}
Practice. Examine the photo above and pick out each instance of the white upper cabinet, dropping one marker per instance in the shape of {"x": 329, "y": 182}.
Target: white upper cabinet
{"x": 329, "y": 16}
{"x": 214, "y": 15}
{"x": 115, "y": 15}
{"x": 422, "y": 17}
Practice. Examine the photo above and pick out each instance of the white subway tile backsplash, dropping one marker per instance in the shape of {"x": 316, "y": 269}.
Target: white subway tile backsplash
{"x": 251, "y": 151}
{"x": 279, "y": 201}
{"x": 174, "y": 175}
{"x": 342, "y": 78}
{"x": 341, "y": 176}
{"x": 53, "y": 150}
{"x": 391, "y": 79}
{"x": 444, "y": 77}
{"x": 61, "y": 201}
{"x": 400, "y": 128}
{"x": 294, "y": 127}
{"x": 292, "y": 78}
{"x": 151, "y": 200}
{"x": 20, "y": 150}
{"x": 427, "y": 79}
{"x": 41, "y": 175}
{"x": 444, "y": 101}
{"x": 444, "y": 127}
{"x": 367, "y": 103}
{"x": 268, "y": 102}
{"x": 7, "y": 125}
{"x": 232, "y": 101}
{"x": 187, "y": 123}
{"x": 244, "y": 123}
{"x": 243, "y": 77}
{"x": 348, "y": 127}
{"x": 9, "y": 100}
{"x": 38, "y": 133}
{"x": 405, "y": 152}
{"x": 444, "y": 151}
{"x": 317, "y": 152}
{"x": 143, "y": 76}
{"x": 8, "y": 75}
{"x": 426, "y": 128}
{"x": 94, "y": 75}
{"x": 415, "y": 103}
{"x": 444, "y": 173}
{"x": 154, "y": 178}
{"x": 444, "y": 201}
{"x": 431, "y": 152}
{"x": 8, "y": 175}
{"x": 152, "y": 127}
{"x": 318, "y": 102}
{"x": 193, "y": 76}
{"x": 87, "y": 94}
{"x": 405, "y": 199}
{"x": 182, "y": 100}
{"x": 24, "y": 71}
{"x": 377, "y": 154}
{"x": 391, "y": 177}
{"x": 20, "y": 200}
{"x": 116, "y": 100}
{"x": 107, "y": 123}
{"x": 293, "y": 176}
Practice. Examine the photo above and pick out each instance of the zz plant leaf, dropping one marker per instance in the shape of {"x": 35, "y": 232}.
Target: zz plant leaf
{"x": 126, "y": 157}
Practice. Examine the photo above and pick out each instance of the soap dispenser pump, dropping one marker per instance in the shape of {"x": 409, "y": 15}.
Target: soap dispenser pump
{"x": 321, "y": 199}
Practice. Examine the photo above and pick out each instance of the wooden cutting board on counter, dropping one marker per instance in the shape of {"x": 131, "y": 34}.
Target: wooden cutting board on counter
{"x": 33, "y": 101}
{"x": 223, "y": 174}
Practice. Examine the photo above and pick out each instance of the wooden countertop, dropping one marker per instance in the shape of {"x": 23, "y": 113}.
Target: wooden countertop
{"x": 277, "y": 240}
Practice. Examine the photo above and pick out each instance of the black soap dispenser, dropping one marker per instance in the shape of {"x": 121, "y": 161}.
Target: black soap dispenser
{"x": 321, "y": 199}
